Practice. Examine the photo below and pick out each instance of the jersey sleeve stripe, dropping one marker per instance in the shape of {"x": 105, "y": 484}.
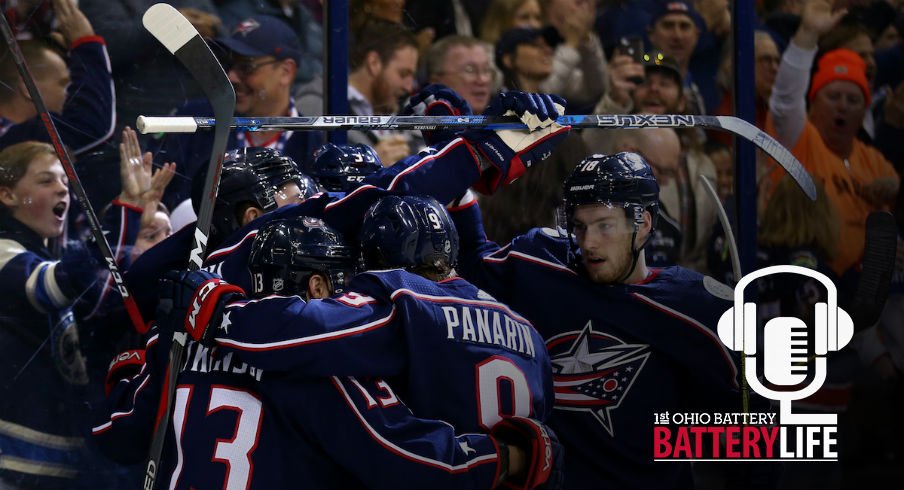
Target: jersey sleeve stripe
{"x": 313, "y": 339}
{"x": 527, "y": 258}
{"x": 455, "y": 300}
{"x": 417, "y": 458}
{"x": 450, "y": 146}
{"x": 228, "y": 250}
{"x": 42, "y": 289}
{"x": 709, "y": 334}
{"x": 118, "y": 415}
{"x": 344, "y": 199}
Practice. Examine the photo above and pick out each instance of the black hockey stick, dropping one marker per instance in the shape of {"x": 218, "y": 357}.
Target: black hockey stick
{"x": 74, "y": 182}
{"x": 731, "y": 124}
{"x": 878, "y": 267}
{"x": 735, "y": 269}
{"x": 177, "y": 34}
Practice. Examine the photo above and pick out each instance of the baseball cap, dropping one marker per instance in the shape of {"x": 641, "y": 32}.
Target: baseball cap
{"x": 840, "y": 64}
{"x": 657, "y": 61}
{"x": 510, "y": 40}
{"x": 263, "y": 35}
{"x": 667, "y": 7}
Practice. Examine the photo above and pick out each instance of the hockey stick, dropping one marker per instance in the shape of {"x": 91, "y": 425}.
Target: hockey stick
{"x": 177, "y": 34}
{"x": 735, "y": 269}
{"x": 731, "y": 124}
{"x": 74, "y": 182}
{"x": 878, "y": 267}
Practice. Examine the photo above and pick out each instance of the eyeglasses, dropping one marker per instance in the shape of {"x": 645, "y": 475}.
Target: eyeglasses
{"x": 472, "y": 72}
{"x": 247, "y": 67}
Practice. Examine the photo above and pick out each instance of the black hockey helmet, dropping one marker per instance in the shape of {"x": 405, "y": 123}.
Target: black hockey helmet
{"x": 286, "y": 252}
{"x": 341, "y": 168}
{"x": 408, "y": 232}
{"x": 622, "y": 179}
{"x": 251, "y": 176}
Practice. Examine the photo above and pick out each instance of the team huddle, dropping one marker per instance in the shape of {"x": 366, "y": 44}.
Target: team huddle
{"x": 363, "y": 334}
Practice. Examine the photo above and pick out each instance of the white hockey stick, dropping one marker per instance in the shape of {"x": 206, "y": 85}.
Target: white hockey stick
{"x": 178, "y": 35}
{"x": 740, "y": 127}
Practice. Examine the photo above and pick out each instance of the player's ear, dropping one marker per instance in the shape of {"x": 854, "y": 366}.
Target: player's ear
{"x": 251, "y": 214}
{"x": 318, "y": 287}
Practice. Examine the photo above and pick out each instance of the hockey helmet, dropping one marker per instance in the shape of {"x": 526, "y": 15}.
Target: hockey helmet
{"x": 286, "y": 252}
{"x": 341, "y": 168}
{"x": 252, "y": 175}
{"x": 408, "y": 232}
{"x": 622, "y": 179}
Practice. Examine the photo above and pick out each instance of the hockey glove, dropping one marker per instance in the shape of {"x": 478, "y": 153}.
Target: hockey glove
{"x": 543, "y": 465}
{"x": 436, "y": 100}
{"x": 78, "y": 273}
{"x": 505, "y": 154}
{"x": 193, "y": 300}
{"x": 124, "y": 365}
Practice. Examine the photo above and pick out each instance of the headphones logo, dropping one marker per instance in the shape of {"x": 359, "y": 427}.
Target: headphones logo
{"x": 786, "y": 358}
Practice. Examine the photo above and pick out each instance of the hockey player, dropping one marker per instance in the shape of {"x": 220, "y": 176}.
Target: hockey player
{"x": 624, "y": 340}
{"x": 485, "y": 159}
{"x": 409, "y": 318}
{"x": 254, "y": 181}
{"x": 331, "y": 433}
{"x": 342, "y": 168}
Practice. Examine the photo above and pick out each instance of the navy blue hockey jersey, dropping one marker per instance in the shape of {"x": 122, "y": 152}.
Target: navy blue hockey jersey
{"x": 443, "y": 173}
{"x": 45, "y": 378}
{"x": 619, "y": 353}
{"x": 460, "y": 355}
{"x": 235, "y": 426}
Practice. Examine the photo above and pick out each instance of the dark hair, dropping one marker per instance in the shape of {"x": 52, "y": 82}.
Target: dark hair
{"x": 384, "y": 38}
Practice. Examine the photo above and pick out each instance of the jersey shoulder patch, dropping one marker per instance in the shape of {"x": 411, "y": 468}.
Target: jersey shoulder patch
{"x": 718, "y": 289}
{"x": 9, "y": 249}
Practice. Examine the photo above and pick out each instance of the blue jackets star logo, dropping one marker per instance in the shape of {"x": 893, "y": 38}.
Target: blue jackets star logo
{"x": 593, "y": 371}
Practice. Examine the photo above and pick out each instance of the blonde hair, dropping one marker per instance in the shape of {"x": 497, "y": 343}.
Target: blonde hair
{"x": 792, "y": 220}
{"x": 14, "y": 160}
{"x": 499, "y": 18}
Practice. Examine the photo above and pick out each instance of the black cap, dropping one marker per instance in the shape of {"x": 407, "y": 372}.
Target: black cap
{"x": 657, "y": 61}
{"x": 511, "y": 39}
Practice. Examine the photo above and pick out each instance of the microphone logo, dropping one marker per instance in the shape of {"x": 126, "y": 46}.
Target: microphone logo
{"x": 788, "y": 354}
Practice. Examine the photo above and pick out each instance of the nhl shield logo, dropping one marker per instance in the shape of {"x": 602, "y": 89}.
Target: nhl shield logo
{"x": 593, "y": 371}
{"x": 277, "y": 284}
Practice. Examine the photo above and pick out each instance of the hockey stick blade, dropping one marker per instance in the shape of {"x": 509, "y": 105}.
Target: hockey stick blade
{"x": 878, "y": 268}
{"x": 730, "y": 124}
{"x": 75, "y": 183}
{"x": 177, "y": 34}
